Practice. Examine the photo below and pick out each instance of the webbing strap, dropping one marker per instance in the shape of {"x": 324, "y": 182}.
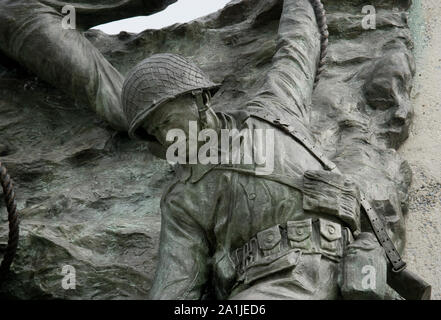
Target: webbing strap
{"x": 299, "y": 137}
{"x": 380, "y": 232}
{"x": 377, "y": 224}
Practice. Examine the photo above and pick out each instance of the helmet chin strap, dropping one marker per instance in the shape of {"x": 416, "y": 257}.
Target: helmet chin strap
{"x": 203, "y": 103}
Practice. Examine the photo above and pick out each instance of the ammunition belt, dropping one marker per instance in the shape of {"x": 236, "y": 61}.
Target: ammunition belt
{"x": 264, "y": 253}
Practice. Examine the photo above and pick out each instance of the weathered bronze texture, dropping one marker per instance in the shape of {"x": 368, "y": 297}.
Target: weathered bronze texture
{"x": 335, "y": 94}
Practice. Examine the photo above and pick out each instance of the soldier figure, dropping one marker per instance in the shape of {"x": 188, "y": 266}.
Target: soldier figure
{"x": 227, "y": 232}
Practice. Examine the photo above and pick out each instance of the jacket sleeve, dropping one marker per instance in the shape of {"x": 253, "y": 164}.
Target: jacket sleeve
{"x": 31, "y": 34}
{"x": 182, "y": 270}
{"x": 288, "y": 85}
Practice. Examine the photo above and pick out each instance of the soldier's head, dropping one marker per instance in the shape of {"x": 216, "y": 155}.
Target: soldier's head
{"x": 164, "y": 92}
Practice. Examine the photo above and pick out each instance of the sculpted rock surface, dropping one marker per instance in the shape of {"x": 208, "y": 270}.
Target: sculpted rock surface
{"x": 89, "y": 197}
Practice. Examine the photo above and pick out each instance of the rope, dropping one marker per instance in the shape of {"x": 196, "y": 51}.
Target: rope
{"x": 8, "y": 190}
{"x": 320, "y": 15}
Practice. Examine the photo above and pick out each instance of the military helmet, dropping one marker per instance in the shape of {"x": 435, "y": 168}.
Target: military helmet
{"x": 157, "y": 80}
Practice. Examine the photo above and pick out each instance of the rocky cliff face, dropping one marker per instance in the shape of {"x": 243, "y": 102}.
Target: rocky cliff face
{"x": 89, "y": 197}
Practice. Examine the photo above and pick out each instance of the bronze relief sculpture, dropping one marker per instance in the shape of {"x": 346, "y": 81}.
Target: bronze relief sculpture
{"x": 279, "y": 236}
{"x": 316, "y": 226}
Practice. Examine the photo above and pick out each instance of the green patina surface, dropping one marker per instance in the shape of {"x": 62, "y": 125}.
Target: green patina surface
{"x": 90, "y": 197}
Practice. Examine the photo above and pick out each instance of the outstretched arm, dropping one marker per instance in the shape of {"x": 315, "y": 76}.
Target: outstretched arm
{"x": 31, "y": 32}
{"x": 288, "y": 86}
{"x": 92, "y": 12}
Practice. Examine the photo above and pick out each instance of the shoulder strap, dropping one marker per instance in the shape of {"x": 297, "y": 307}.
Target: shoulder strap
{"x": 377, "y": 224}
{"x": 313, "y": 149}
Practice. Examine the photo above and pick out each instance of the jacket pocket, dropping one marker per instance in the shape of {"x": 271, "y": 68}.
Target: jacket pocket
{"x": 333, "y": 194}
{"x": 266, "y": 266}
{"x": 269, "y": 240}
{"x": 330, "y": 235}
{"x": 299, "y": 234}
